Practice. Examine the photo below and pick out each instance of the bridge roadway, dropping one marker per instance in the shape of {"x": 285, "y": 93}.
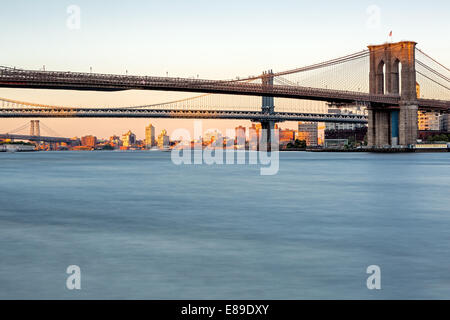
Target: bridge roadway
{"x": 34, "y": 138}
{"x": 18, "y": 78}
{"x": 33, "y": 112}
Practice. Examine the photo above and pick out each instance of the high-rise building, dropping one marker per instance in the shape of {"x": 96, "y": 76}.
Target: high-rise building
{"x": 88, "y": 141}
{"x": 307, "y": 131}
{"x": 444, "y": 122}
{"x": 163, "y": 139}
{"x": 240, "y": 136}
{"x": 428, "y": 120}
{"x": 253, "y": 136}
{"x": 128, "y": 139}
{"x": 150, "y": 136}
{"x": 321, "y": 126}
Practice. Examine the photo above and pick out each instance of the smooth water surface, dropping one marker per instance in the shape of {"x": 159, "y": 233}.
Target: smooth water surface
{"x": 141, "y": 227}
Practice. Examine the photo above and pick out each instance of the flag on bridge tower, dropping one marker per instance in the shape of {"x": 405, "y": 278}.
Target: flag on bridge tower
{"x": 390, "y": 36}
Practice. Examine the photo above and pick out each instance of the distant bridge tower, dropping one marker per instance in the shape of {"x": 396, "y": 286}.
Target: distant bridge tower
{"x": 35, "y": 129}
{"x": 392, "y": 71}
{"x": 268, "y": 107}
{"x": 267, "y": 84}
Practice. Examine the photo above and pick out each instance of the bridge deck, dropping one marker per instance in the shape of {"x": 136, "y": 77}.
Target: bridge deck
{"x": 15, "y": 78}
{"x": 34, "y": 138}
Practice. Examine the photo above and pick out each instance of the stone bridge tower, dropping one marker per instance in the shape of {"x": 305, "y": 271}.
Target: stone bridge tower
{"x": 393, "y": 72}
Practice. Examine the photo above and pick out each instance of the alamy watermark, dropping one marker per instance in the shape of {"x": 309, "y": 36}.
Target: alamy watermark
{"x": 374, "y": 280}
{"x": 263, "y": 149}
{"x": 73, "y": 21}
{"x": 374, "y": 17}
{"x": 73, "y": 281}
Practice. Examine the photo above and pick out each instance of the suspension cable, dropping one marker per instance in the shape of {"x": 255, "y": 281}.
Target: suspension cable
{"x": 433, "y": 80}
{"x": 432, "y": 70}
{"x": 433, "y": 59}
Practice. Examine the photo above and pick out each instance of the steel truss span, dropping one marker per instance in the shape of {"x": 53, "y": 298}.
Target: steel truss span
{"x": 180, "y": 114}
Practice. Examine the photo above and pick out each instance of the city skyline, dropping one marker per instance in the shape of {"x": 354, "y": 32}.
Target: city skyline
{"x": 184, "y": 47}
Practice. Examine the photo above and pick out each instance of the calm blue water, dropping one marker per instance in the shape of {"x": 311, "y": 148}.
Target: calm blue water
{"x": 140, "y": 227}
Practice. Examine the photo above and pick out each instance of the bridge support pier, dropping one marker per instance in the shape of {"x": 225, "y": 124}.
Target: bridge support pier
{"x": 267, "y": 107}
{"x": 392, "y": 127}
{"x": 408, "y": 124}
{"x": 380, "y": 128}
{"x": 267, "y": 135}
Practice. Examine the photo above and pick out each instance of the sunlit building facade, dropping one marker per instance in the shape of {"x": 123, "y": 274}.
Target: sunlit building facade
{"x": 428, "y": 120}
{"x": 163, "y": 139}
{"x": 150, "y": 140}
{"x": 286, "y": 136}
{"x": 88, "y": 141}
{"x": 128, "y": 139}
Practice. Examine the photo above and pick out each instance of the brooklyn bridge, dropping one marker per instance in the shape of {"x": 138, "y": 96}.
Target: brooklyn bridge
{"x": 392, "y": 81}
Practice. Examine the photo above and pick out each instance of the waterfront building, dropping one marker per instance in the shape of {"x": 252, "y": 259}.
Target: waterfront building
{"x": 163, "y": 139}
{"x": 240, "y": 136}
{"x": 335, "y": 143}
{"x": 115, "y": 141}
{"x": 308, "y": 132}
{"x": 150, "y": 140}
{"x": 321, "y": 126}
{"x": 428, "y": 120}
{"x": 444, "y": 122}
{"x": 355, "y": 135}
{"x": 286, "y": 136}
{"x": 253, "y": 136}
{"x": 128, "y": 139}
{"x": 88, "y": 141}
{"x": 75, "y": 141}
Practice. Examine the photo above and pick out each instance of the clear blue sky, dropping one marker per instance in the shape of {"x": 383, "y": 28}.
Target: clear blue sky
{"x": 214, "y": 39}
